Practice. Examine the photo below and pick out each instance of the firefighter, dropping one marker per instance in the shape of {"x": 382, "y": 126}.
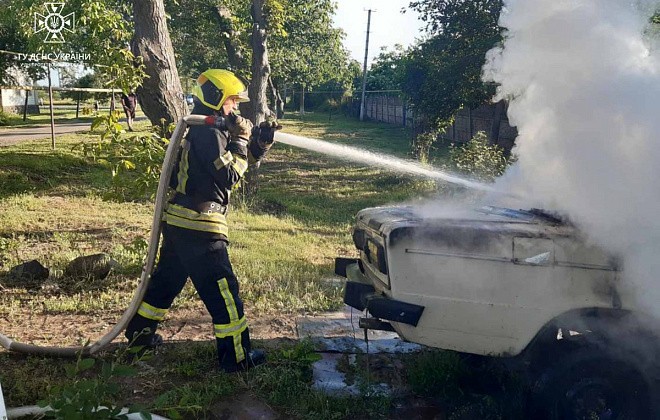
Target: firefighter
{"x": 211, "y": 162}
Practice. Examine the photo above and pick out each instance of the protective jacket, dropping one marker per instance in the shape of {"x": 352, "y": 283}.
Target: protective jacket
{"x": 209, "y": 166}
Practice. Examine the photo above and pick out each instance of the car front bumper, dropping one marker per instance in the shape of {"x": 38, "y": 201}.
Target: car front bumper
{"x": 361, "y": 294}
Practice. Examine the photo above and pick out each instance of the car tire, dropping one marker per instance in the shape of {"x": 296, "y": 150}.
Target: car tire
{"x": 590, "y": 384}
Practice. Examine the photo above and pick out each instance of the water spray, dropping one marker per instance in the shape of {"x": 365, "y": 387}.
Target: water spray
{"x": 388, "y": 162}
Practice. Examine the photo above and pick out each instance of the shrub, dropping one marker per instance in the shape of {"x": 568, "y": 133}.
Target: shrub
{"x": 478, "y": 159}
{"x": 92, "y": 395}
{"x": 135, "y": 161}
{"x": 4, "y": 118}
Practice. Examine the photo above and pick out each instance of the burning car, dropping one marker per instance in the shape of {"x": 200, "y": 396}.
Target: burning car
{"x": 524, "y": 285}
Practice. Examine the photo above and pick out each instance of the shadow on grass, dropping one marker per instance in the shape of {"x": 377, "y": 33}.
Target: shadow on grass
{"x": 28, "y": 172}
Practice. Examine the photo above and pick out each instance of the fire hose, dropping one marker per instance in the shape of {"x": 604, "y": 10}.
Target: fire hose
{"x": 154, "y": 240}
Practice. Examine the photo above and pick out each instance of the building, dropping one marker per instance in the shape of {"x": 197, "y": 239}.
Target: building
{"x": 13, "y": 100}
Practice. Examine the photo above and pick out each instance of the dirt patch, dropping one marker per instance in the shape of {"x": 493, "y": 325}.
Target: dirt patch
{"x": 246, "y": 406}
{"x": 186, "y": 324}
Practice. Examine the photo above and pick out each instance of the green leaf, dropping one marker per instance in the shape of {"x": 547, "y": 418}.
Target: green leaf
{"x": 161, "y": 400}
{"x": 85, "y": 364}
{"x": 313, "y": 357}
{"x": 70, "y": 370}
{"x": 173, "y": 414}
{"x": 145, "y": 416}
{"x": 106, "y": 370}
{"x": 135, "y": 349}
{"x": 97, "y": 121}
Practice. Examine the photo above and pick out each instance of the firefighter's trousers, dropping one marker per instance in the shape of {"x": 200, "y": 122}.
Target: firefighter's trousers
{"x": 184, "y": 254}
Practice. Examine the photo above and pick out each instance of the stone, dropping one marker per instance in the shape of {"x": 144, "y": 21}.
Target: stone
{"x": 31, "y": 270}
{"x": 97, "y": 266}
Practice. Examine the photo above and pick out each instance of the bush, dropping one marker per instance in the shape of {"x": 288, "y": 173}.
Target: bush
{"x": 135, "y": 161}
{"x": 478, "y": 159}
{"x": 4, "y": 118}
{"x": 92, "y": 395}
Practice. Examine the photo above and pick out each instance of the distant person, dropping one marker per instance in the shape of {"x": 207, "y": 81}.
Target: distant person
{"x": 96, "y": 106}
{"x": 129, "y": 102}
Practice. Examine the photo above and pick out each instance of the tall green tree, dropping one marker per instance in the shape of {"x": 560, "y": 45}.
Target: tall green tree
{"x": 302, "y": 45}
{"x": 309, "y": 50}
{"x": 444, "y": 71}
{"x": 102, "y": 30}
{"x": 388, "y": 70}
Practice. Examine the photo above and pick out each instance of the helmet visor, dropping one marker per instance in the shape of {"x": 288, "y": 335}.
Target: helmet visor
{"x": 211, "y": 94}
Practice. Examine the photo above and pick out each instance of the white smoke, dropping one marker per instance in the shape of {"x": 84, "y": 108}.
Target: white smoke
{"x": 584, "y": 87}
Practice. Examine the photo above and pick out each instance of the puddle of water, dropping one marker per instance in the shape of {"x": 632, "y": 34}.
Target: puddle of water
{"x": 337, "y": 334}
{"x": 340, "y": 332}
{"x": 328, "y": 379}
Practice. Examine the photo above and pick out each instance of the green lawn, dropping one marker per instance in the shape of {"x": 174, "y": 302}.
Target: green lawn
{"x": 283, "y": 243}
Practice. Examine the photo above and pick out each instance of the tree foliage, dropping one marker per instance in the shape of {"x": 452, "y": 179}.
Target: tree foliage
{"x": 200, "y": 30}
{"x": 303, "y": 46}
{"x": 388, "y": 70}
{"x": 309, "y": 50}
{"x": 444, "y": 71}
{"x": 135, "y": 160}
{"x": 89, "y": 80}
{"x": 102, "y": 31}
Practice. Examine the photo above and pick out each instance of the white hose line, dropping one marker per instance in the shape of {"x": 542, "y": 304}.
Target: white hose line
{"x": 154, "y": 241}
{"x": 35, "y": 410}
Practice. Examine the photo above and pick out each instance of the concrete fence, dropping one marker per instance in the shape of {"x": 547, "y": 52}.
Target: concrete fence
{"x": 388, "y": 109}
{"x": 392, "y": 110}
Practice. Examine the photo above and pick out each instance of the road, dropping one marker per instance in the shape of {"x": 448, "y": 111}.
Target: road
{"x": 9, "y": 136}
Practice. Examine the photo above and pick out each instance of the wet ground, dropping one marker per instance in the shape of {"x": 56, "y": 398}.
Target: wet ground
{"x": 349, "y": 366}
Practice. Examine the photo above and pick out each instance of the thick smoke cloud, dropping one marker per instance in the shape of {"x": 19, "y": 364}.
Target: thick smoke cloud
{"x": 584, "y": 87}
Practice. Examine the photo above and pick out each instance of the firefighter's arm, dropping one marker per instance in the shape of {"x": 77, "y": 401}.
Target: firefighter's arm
{"x": 230, "y": 163}
{"x": 261, "y": 140}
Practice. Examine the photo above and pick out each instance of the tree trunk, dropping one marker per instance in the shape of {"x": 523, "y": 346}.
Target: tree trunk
{"x": 278, "y": 103}
{"x": 495, "y": 125}
{"x": 258, "y": 110}
{"x": 302, "y": 100}
{"x": 235, "y": 55}
{"x": 160, "y": 95}
{"x": 260, "y": 66}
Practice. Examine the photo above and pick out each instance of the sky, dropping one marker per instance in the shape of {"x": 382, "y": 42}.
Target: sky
{"x": 388, "y": 25}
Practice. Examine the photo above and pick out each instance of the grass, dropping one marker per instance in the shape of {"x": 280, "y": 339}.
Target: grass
{"x": 306, "y": 203}
{"x": 283, "y": 245}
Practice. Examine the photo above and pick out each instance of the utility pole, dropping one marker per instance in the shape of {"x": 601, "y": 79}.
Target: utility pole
{"x": 364, "y": 69}
{"x": 50, "y": 104}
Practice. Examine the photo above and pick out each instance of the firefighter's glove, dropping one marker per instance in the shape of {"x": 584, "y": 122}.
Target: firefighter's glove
{"x": 238, "y": 127}
{"x": 265, "y": 133}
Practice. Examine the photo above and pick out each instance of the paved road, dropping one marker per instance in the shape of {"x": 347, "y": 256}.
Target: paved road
{"x": 9, "y": 136}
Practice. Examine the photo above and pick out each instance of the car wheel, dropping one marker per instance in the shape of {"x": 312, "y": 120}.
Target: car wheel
{"x": 590, "y": 385}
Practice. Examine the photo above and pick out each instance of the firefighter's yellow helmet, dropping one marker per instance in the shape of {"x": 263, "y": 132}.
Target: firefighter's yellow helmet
{"x": 214, "y": 86}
